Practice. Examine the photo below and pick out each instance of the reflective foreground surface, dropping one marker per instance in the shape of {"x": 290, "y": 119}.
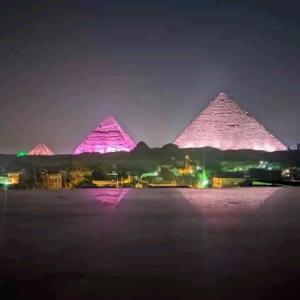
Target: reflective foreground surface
{"x": 150, "y": 244}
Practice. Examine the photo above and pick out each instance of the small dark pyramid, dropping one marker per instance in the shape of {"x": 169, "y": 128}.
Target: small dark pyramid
{"x": 141, "y": 147}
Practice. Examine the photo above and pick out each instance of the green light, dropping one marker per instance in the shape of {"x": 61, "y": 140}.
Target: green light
{"x": 22, "y": 154}
{"x": 150, "y": 174}
{"x": 4, "y": 180}
{"x": 203, "y": 179}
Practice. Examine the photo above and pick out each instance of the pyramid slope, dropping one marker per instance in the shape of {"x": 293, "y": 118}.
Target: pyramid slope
{"x": 225, "y": 125}
{"x": 108, "y": 136}
{"x": 41, "y": 149}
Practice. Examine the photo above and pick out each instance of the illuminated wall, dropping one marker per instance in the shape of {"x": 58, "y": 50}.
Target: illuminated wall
{"x": 107, "y": 137}
{"x": 225, "y": 125}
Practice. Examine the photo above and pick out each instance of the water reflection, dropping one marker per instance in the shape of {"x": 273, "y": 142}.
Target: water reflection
{"x": 227, "y": 207}
{"x": 109, "y": 197}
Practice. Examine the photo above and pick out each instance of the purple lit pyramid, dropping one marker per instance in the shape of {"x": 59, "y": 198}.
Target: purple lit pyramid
{"x": 225, "y": 125}
{"x": 107, "y": 137}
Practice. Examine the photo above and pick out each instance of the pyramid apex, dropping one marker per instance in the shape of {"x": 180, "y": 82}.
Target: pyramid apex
{"x": 109, "y": 121}
{"x": 108, "y": 136}
{"x": 42, "y": 145}
{"x": 223, "y": 96}
{"x": 109, "y": 118}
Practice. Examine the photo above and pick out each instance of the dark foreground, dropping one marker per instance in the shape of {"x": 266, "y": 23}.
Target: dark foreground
{"x": 150, "y": 244}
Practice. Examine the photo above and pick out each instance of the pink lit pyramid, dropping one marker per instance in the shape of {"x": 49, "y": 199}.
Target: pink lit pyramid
{"x": 41, "y": 149}
{"x": 225, "y": 125}
{"x": 107, "y": 137}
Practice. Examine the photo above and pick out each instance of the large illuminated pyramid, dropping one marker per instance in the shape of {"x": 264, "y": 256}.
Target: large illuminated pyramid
{"x": 107, "y": 137}
{"x": 41, "y": 149}
{"x": 223, "y": 124}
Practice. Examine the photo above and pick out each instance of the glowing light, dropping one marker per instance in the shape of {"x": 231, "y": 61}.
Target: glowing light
{"x": 22, "y": 154}
{"x": 263, "y": 165}
{"x": 5, "y": 181}
{"x": 149, "y": 174}
{"x": 107, "y": 137}
{"x": 286, "y": 173}
{"x": 226, "y": 126}
{"x": 203, "y": 179}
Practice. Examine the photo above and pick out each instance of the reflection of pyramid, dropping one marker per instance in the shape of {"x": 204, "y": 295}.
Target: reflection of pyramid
{"x": 226, "y": 126}
{"x": 41, "y": 149}
{"x": 107, "y": 137}
{"x": 227, "y": 207}
{"x": 109, "y": 197}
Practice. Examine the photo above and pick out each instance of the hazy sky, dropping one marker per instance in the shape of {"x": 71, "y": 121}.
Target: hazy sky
{"x": 154, "y": 65}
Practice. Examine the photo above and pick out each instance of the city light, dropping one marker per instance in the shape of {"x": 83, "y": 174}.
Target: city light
{"x": 203, "y": 179}
{"x": 5, "y": 181}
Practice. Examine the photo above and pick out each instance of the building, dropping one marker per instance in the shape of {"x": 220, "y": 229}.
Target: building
{"x": 108, "y": 136}
{"x": 14, "y": 177}
{"x": 53, "y": 181}
{"x": 221, "y": 182}
{"x": 163, "y": 183}
{"x": 77, "y": 177}
{"x": 11, "y": 179}
{"x": 109, "y": 180}
{"x": 224, "y": 125}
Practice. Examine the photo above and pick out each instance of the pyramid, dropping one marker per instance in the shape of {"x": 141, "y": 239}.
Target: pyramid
{"x": 224, "y": 125}
{"x": 107, "y": 137}
{"x": 41, "y": 149}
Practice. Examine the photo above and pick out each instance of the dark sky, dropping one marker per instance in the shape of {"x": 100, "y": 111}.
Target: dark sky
{"x": 154, "y": 65}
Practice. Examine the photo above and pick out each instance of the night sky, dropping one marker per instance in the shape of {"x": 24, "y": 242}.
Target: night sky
{"x": 153, "y": 65}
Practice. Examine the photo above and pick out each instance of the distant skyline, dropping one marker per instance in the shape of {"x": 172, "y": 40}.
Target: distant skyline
{"x": 153, "y": 65}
